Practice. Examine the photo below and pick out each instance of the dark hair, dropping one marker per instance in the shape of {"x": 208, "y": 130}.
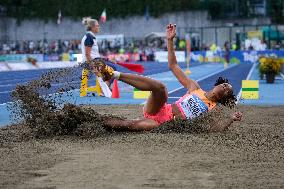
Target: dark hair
{"x": 229, "y": 100}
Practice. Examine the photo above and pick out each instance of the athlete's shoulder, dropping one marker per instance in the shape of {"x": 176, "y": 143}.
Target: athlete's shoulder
{"x": 89, "y": 41}
{"x": 89, "y": 35}
{"x": 197, "y": 91}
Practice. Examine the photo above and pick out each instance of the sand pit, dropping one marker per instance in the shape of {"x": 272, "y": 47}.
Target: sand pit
{"x": 249, "y": 155}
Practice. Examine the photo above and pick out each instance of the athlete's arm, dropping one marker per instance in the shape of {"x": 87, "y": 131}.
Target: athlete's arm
{"x": 88, "y": 47}
{"x": 88, "y": 53}
{"x": 188, "y": 83}
{"x": 220, "y": 125}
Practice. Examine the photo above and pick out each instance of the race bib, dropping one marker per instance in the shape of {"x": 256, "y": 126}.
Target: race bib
{"x": 192, "y": 106}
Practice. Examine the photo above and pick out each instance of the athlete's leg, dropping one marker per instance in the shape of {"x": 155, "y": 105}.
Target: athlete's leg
{"x": 158, "y": 90}
{"x": 158, "y": 96}
{"x": 108, "y": 84}
{"x": 131, "y": 125}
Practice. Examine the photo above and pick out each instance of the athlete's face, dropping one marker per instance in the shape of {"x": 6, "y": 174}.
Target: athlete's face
{"x": 95, "y": 28}
{"x": 222, "y": 90}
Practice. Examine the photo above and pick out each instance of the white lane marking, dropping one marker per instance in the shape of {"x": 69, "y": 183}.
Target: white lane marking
{"x": 247, "y": 78}
{"x": 53, "y": 84}
{"x": 5, "y": 92}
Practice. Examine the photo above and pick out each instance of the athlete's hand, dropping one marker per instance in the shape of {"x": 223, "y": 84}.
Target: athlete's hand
{"x": 237, "y": 116}
{"x": 171, "y": 31}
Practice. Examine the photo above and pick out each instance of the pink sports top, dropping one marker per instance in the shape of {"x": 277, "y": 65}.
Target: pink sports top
{"x": 194, "y": 104}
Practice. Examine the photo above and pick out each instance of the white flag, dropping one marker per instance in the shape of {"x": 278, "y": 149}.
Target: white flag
{"x": 59, "y": 17}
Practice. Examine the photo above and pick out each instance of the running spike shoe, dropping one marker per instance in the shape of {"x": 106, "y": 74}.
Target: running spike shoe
{"x": 102, "y": 70}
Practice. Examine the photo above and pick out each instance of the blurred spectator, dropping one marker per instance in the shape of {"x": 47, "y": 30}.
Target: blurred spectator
{"x": 31, "y": 47}
{"x": 251, "y": 47}
{"x": 263, "y": 45}
{"x": 140, "y": 46}
{"x": 227, "y": 47}
{"x": 182, "y": 44}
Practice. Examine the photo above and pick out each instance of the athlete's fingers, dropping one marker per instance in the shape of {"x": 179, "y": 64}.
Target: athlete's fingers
{"x": 169, "y": 29}
{"x": 168, "y": 26}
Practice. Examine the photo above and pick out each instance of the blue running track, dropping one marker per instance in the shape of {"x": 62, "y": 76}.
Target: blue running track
{"x": 9, "y": 80}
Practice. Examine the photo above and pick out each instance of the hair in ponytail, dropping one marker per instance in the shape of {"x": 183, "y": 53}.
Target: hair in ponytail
{"x": 88, "y": 22}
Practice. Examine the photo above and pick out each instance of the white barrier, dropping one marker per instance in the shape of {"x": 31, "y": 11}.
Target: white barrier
{"x": 3, "y": 67}
{"x": 56, "y": 64}
{"x": 21, "y": 66}
{"x": 162, "y": 56}
{"x": 18, "y": 66}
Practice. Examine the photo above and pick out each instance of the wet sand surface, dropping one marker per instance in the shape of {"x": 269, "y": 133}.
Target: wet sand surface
{"x": 249, "y": 155}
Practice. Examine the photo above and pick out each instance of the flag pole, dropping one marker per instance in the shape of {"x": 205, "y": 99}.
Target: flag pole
{"x": 188, "y": 49}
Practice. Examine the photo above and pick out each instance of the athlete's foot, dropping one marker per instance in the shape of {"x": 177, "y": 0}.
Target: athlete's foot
{"x": 102, "y": 70}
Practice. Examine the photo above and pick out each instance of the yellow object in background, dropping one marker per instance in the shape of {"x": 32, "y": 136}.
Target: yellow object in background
{"x": 250, "y": 89}
{"x": 65, "y": 57}
{"x": 84, "y": 85}
{"x": 187, "y": 72}
{"x": 137, "y": 94}
{"x": 225, "y": 65}
{"x": 255, "y": 34}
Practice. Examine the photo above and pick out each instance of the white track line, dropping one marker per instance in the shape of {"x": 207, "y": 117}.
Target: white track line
{"x": 56, "y": 93}
{"x": 248, "y": 77}
{"x": 5, "y": 92}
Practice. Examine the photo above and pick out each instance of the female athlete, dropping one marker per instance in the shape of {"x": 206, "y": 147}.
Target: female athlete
{"x": 89, "y": 45}
{"x": 156, "y": 111}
